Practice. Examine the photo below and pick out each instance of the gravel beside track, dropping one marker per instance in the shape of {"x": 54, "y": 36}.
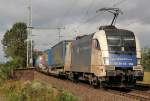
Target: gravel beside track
{"x": 83, "y": 91}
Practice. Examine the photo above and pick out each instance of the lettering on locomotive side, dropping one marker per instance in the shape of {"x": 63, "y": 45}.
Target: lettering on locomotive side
{"x": 123, "y": 63}
{"x": 121, "y": 59}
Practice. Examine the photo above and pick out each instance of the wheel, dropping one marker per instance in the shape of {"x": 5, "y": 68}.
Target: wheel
{"x": 71, "y": 76}
{"x": 76, "y": 78}
{"x": 93, "y": 80}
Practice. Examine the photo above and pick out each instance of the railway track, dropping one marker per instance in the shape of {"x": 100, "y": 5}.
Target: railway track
{"x": 142, "y": 95}
{"x": 141, "y": 90}
{"x": 134, "y": 94}
{"x": 138, "y": 95}
{"x": 88, "y": 93}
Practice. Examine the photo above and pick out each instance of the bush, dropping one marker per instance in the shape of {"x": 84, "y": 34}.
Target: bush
{"x": 7, "y": 69}
{"x": 37, "y": 92}
{"x": 66, "y": 96}
{"x": 146, "y": 58}
{"x": 15, "y": 91}
{"x": 33, "y": 91}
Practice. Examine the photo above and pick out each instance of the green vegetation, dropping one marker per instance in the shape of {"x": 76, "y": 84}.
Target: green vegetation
{"x": 33, "y": 91}
{"x": 147, "y": 77}
{"x": 146, "y": 58}
{"x": 66, "y": 96}
{"x": 14, "y": 44}
{"x": 6, "y": 69}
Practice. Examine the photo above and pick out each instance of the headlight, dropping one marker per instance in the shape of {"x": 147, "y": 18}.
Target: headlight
{"x": 106, "y": 60}
{"x": 138, "y": 61}
{"x": 139, "y": 67}
{"x": 111, "y": 73}
{"x": 110, "y": 67}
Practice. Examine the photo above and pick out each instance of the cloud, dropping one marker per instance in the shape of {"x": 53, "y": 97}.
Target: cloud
{"x": 75, "y": 16}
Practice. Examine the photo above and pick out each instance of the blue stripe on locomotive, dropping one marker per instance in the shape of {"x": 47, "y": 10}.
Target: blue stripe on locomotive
{"x": 122, "y": 61}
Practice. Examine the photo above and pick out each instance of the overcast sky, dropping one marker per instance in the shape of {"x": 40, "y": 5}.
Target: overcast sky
{"x": 77, "y": 16}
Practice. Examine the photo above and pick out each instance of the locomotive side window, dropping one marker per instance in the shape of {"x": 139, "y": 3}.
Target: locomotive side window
{"x": 97, "y": 45}
{"x": 114, "y": 41}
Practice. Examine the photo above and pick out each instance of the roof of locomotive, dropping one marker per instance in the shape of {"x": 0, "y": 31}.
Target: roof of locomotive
{"x": 109, "y": 30}
{"x": 112, "y": 29}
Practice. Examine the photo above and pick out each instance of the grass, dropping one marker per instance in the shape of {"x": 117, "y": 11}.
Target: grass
{"x": 28, "y": 91}
{"x": 33, "y": 91}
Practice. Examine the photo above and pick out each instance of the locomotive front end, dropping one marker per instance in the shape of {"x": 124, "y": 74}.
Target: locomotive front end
{"x": 123, "y": 65}
{"x": 121, "y": 56}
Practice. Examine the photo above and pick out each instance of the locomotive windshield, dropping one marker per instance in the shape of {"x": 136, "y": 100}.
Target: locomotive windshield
{"x": 129, "y": 44}
{"x": 121, "y": 42}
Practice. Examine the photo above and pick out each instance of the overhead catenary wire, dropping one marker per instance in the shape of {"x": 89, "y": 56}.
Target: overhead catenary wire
{"x": 85, "y": 15}
{"x": 114, "y": 5}
{"x": 68, "y": 11}
{"x": 91, "y": 18}
{"x": 87, "y": 11}
{"x": 118, "y": 3}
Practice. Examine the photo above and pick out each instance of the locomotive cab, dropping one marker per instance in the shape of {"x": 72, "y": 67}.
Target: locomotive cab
{"x": 121, "y": 55}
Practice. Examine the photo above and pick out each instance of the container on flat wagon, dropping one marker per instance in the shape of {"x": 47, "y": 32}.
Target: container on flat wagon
{"x": 44, "y": 59}
{"x": 61, "y": 55}
{"x": 48, "y": 57}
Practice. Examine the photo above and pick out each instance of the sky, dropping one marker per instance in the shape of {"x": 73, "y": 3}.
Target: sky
{"x": 78, "y": 17}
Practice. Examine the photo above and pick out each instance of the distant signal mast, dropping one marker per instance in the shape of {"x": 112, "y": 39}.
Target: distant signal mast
{"x": 29, "y": 35}
{"x": 49, "y": 28}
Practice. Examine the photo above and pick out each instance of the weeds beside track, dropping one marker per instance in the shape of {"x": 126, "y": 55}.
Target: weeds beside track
{"x": 87, "y": 93}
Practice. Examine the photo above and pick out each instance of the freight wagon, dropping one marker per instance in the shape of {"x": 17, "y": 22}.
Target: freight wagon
{"x": 61, "y": 55}
{"x": 44, "y": 60}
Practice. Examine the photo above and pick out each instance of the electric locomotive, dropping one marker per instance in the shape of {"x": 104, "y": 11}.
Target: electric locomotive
{"x": 109, "y": 57}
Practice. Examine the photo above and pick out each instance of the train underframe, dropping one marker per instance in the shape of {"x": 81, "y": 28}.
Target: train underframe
{"x": 124, "y": 77}
{"x": 113, "y": 78}
{"x": 116, "y": 78}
